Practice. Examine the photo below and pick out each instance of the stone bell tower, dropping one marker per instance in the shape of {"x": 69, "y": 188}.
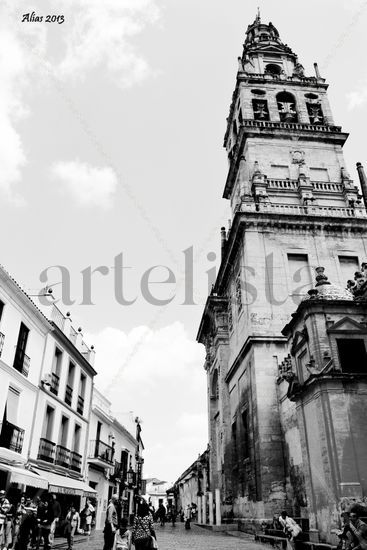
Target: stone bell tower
{"x": 294, "y": 207}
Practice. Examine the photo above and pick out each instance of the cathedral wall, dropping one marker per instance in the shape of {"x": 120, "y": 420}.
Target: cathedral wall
{"x": 270, "y": 290}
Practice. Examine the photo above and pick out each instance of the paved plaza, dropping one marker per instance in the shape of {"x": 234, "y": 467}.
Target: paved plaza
{"x": 177, "y": 538}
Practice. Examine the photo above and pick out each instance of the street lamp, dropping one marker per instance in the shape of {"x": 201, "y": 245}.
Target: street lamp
{"x": 130, "y": 476}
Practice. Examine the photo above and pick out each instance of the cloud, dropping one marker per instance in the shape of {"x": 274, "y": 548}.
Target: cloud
{"x": 157, "y": 374}
{"x": 87, "y": 185}
{"x": 358, "y": 97}
{"x": 94, "y": 34}
{"x": 16, "y": 66}
{"x": 100, "y": 33}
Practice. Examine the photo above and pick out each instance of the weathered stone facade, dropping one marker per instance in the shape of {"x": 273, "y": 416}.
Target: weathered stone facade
{"x": 294, "y": 206}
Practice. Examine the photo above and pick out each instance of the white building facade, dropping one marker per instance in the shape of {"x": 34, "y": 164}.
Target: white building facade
{"x": 113, "y": 458}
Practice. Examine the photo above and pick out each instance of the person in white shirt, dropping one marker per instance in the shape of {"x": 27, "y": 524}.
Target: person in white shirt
{"x": 72, "y": 526}
{"x": 290, "y": 528}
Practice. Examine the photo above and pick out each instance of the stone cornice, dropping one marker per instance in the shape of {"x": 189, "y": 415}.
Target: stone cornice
{"x": 250, "y": 341}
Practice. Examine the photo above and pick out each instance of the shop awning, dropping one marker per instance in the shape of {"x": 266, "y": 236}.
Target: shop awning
{"x": 67, "y": 485}
{"x": 24, "y": 476}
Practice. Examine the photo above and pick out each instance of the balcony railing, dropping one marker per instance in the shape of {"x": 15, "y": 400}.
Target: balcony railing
{"x": 68, "y": 394}
{"x": 291, "y": 126}
{"x": 80, "y": 406}
{"x": 55, "y": 381}
{"x": 73, "y": 335}
{"x": 11, "y": 436}
{"x": 298, "y": 210}
{"x": 62, "y": 457}
{"x": 22, "y": 363}
{"x": 99, "y": 449}
{"x": 75, "y": 461}
{"x": 46, "y": 450}
{"x": 2, "y": 338}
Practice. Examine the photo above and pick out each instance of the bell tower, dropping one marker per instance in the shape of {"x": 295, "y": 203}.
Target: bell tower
{"x": 294, "y": 207}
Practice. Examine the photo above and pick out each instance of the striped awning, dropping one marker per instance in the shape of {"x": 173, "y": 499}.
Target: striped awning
{"x": 24, "y": 476}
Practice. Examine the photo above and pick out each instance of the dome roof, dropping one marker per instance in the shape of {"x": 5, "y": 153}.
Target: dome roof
{"x": 327, "y": 291}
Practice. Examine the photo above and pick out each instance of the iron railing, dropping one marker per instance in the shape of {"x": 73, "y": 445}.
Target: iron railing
{"x": 80, "y": 405}
{"x": 68, "y": 394}
{"x": 55, "y": 381}
{"x": 22, "y": 362}
{"x": 46, "y": 450}
{"x": 99, "y": 449}
{"x": 75, "y": 461}
{"x": 62, "y": 457}
{"x": 11, "y": 437}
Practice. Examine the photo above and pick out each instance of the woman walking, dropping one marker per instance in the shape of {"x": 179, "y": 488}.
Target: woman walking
{"x": 143, "y": 530}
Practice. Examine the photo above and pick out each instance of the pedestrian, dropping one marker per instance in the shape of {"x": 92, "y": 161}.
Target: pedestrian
{"x": 56, "y": 509}
{"x": 72, "y": 525}
{"x": 111, "y": 523}
{"x": 143, "y": 535}
{"x": 88, "y": 512}
{"x": 46, "y": 517}
{"x": 356, "y": 530}
{"x": 291, "y": 529}
{"x": 162, "y": 514}
{"x": 20, "y": 511}
{"x": 187, "y": 517}
{"x": 123, "y": 536}
{"x": 5, "y": 508}
{"x": 28, "y": 526}
{"x": 173, "y": 515}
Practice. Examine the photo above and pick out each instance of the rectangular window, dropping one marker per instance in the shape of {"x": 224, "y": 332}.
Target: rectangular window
{"x": 63, "y": 435}
{"x": 300, "y": 276}
{"x": 246, "y": 433}
{"x": 48, "y": 423}
{"x": 319, "y": 174}
{"x": 12, "y": 404}
{"x": 69, "y": 385}
{"x": 76, "y": 442}
{"x": 348, "y": 266}
{"x": 234, "y": 441}
{"x": 55, "y": 372}
{"x": 352, "y": 355}
{"x": 279, "y": 172}
{"x": 21, "y": 363}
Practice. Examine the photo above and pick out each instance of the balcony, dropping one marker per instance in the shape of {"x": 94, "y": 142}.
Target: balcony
{"x": 2, "y": 338}
{"x": 11, "y": 437}
{"x": 46, "y": 450}
{"x": 62, "y": 457}
{"x": 22, "y": 362}
{"x": 68, "y": 395}
{"x": 299, "y": 210}
{"x": 101, "y": 452}
{"x": 80, "y": 405}
{"x": 55, "y": 381}
{"x": 75, "y": 461}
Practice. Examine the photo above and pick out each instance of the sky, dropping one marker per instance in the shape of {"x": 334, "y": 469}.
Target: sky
{"x": 111, "y": 159}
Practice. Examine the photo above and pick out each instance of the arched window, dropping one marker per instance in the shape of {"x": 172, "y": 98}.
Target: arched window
{"x": 287, "y": 107}
{"x": 273, "y": 69}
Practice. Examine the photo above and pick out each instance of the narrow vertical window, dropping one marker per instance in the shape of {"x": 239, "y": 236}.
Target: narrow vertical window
{"x": 348, "y": 266}
{"x": 21, "y": 360}
{"x": 260, "y": 108}
{"x": 239, "y": 294}
{"x": 300, "y": 276}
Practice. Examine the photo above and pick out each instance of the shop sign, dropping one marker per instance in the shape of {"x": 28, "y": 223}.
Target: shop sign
{"x": 65, "y": 490}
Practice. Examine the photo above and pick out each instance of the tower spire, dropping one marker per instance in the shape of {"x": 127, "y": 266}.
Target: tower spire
{"x": 258, "y": 18}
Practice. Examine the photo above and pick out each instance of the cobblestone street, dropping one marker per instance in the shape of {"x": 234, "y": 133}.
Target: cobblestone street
{"x": 177, "y": 538}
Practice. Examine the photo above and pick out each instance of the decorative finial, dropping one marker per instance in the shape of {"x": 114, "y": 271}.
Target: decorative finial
{"x": 258, "y": 18}
{"x": 321, "y": 278}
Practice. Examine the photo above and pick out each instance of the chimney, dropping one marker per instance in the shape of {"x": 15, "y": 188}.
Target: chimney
{"x": 363, "y": 182}
{"x": 223, "y": 239}
{"x": 317, "y": 72}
